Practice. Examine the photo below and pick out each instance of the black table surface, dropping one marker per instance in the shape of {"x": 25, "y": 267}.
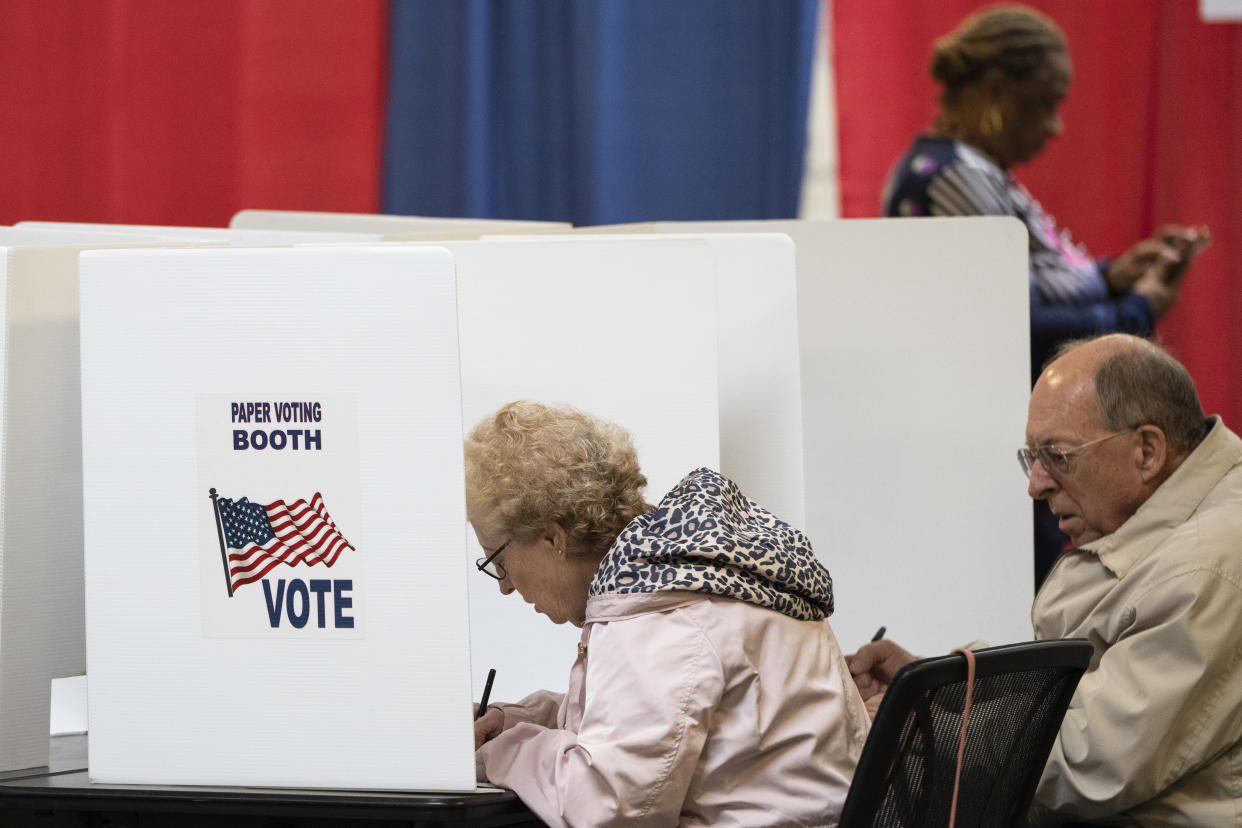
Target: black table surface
{"x": 62, "y": 794}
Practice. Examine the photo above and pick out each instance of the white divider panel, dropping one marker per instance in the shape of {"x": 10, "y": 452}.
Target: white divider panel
{"x": 70, "y": 235}
{"x": 915, "y": 353}
{"x": 757, "y": 350}
{"x": 68, "y": 706}
{"x": 359, "y": 676}
{"x": 41, "y": 602}
{"x": 234, "y": 236}
{"x": 42, "y": 628}
{"x": 620, "y": 328}
{"x": 388, "y": 225}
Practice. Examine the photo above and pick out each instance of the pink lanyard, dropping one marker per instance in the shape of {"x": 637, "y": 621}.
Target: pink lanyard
{"x": 961, "y": 746}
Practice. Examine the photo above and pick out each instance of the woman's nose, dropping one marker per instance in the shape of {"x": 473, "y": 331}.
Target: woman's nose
{"x": 506, "y": 586}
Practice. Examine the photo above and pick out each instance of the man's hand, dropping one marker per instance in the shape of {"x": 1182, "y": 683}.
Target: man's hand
{"x": 488, "y": 727}
{"x": 874, "y": 666}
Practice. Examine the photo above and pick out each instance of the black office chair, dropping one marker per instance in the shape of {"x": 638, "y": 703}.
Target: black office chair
{"x": 905, "y": 776}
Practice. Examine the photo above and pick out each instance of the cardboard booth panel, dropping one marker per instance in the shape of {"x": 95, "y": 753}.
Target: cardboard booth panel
{"x": 41, "y": 603}
{"x": 298, "y": 414}
{"x": 621, "y": 329}
{"x": 42, "y": 632}
{"x": 379, "y": 223}
{"x": 757, "y": 352}
{"x": 234, "y": 236}
{"x": 760, "y": 382}
{"x": 72, "y": 235}
{"x": 914, "y": 339}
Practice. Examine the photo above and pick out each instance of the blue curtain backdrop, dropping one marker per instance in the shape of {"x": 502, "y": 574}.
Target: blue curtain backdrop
{"x": 598, "y": 111}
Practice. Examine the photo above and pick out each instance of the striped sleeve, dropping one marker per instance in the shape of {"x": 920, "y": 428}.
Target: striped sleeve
{"x": 963, "y": 190}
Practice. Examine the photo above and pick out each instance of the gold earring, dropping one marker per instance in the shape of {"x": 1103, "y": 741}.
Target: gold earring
{"x": 992, "y": 123}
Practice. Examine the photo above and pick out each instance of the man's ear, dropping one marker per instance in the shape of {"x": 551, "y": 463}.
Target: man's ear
{"x": 1152, "y": 451}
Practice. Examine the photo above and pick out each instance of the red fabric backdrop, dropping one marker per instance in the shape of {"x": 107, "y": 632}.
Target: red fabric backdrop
{"x": 1153, "y": 134}
{"x": 161, "y": 112}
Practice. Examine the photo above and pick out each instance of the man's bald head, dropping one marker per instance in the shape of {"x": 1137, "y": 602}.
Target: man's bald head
{"x": 1135, "y": 382}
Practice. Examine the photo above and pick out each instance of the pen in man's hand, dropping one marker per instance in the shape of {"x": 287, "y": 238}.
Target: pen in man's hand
{"x": 487, "y": 694}
{"x": 879, "y": 633}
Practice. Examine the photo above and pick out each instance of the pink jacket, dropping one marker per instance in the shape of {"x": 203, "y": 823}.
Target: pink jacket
{"x": 687, "y": 709}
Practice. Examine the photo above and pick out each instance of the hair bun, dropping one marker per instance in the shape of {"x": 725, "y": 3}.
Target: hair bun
{"x": 1014, "y": 39}
{"x": 950, "y": 65}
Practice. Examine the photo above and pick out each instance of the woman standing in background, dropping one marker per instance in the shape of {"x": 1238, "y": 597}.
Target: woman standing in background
{"x": 1004, "y": 73}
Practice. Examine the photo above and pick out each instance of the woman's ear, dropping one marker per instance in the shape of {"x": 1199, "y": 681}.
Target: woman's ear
{"x": 995, "y": 87}
{"x": 553, "y": 534}
{"x": 1153, "y": 451}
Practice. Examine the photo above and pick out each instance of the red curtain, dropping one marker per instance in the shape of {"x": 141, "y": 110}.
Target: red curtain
{"x": 1153, "y": 134}
{"x": 159, "y": 112}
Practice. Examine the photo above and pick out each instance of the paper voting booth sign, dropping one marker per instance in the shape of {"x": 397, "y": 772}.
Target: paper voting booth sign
{"x": 274, "y": 510}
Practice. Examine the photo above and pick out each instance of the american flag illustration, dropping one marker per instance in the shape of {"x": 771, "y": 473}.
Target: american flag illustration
{"x": 261, "y": 537}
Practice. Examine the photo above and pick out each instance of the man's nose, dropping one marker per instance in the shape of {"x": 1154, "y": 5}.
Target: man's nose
{"x": 1041, "y": 484}
{"x": 506, "y": 586}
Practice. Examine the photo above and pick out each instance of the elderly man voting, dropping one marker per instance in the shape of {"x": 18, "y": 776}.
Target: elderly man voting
{"x": 708, "y": 688}
{"x": 1150, "y": 493}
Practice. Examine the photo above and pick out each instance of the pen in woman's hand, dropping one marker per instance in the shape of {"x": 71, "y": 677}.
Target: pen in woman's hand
{"x": 879, "y": 633}
{"x": 487, "y": 694}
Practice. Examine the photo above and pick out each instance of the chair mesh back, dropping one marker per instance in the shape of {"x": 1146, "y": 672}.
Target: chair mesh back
{"x": 1015, "y": 714}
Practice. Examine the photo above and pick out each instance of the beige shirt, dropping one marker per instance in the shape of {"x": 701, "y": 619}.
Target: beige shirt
{"x": 1153, "y": 736}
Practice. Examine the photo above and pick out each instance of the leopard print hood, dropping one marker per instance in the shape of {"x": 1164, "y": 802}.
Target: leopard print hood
{"x": 708, "y": 537}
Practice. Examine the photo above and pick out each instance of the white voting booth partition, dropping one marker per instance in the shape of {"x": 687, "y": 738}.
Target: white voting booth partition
{"x": 60, "y": 235}
{"x": 623, "y": 330}
{"x": 391, "y": 226}
{"x": 238, "y": 237}
{"x": 42, "y": 628}
{"x": 296, "y": 413}
{"x": 757, "y": 353}
{"x": 915, "y": 357}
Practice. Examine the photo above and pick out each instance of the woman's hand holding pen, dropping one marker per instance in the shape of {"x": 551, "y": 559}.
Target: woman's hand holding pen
{"x": 488, "y": 726}
{"x": 487, "y": 723}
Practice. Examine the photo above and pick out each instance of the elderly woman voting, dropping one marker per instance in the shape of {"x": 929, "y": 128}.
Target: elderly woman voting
{"x": 708, "y": 688}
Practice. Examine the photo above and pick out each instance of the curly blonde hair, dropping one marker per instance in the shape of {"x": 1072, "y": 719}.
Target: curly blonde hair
{"x": 531, "y": 463}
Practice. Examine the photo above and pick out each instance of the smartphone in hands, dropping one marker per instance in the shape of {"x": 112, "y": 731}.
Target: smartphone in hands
{"x": 1189, "y": 242}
